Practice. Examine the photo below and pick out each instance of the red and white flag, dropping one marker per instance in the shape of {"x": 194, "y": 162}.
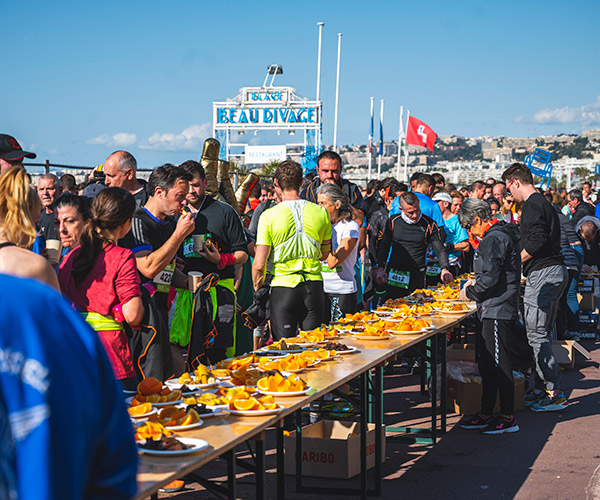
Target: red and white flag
{"x": 418, "y": 133}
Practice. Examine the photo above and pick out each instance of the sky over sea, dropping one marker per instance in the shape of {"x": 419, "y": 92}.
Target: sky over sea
{"x": 82, "y": 79}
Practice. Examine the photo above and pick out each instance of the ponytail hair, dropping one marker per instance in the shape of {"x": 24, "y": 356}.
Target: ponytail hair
{"x": 18, "y": 202}
{"x": 111, "y": 208}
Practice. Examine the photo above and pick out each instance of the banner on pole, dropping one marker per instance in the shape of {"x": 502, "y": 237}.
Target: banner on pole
{"x": 418, "y": 133}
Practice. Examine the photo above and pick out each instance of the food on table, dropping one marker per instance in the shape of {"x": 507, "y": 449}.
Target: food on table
{"x": 359, "y": 316}
{"x": 292, "y": 362}
{"x": 236, "y": 363}
{"x": 245, "y": 376}
{"x": 378, "y": 329}
{"x": 412, "y": 325}
{"x": 208, "y": 399}
{"x": 142, "y": 409}
{"x": 172, "y": 416}
{"x": 220, "y": 372}
{"x": 245, "y": 402}
{"x": 325, "y": 354}
{"x": 164, "y": 444}
{"x": 335, "y": 346}
{"x": 199, "y": 377}
{"x": 422, "y": 292}
{"x": 151, "y": 430}
{"x": 446, "y": 293}
{"x": 456, "y": 306}
{"x": 151, "y": 390}
{"x": 279, "y": 383}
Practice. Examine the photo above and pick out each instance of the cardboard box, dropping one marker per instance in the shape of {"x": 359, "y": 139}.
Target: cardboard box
{"x": 465, "y": 398}
{"x": 331, "y": 449}
{"x": 564, "y": 352}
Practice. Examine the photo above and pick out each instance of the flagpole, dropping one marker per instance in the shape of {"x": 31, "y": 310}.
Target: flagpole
{"x": 399, "y": 143}
{"x": 370, "y": 151}
{"x": 337, "y": 92}
{"x": 320, "y": 132}
{"x": 380, "y": 141}
{"x": 406, "y": 153}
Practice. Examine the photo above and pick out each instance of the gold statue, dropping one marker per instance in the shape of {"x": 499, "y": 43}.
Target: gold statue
{"x": 243, "y": 192}
{"x": 210, "y": 162}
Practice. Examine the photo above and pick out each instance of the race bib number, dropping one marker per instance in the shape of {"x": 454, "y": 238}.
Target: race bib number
{"x": 401, "y": 279}
{"x": 164, "y": 278}
{"x": 188, "y": 249}
{"x": 433, "y": 270}
{"x": 325, "y": 268}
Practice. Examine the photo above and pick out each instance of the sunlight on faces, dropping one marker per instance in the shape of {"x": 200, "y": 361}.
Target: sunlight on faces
{"x": 171, "y": 201}
{"x": 115, "y": 177}
{"x": 48, "y": 192}
{"x": 329, "y": 171}
{"x": 197, "y": 191}
{"x": 69, "y": 225}
{"x": 327, "y": 204}
{"x": 456, "y": 203}
{"x": 413, "y": 212}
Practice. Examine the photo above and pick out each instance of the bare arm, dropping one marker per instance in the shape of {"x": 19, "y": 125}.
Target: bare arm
{"x": 525, "y": 256}
{"x": 463, "y": 246}
{"x": 325, "y": 249}
{"x": 133, "y": 311}
{"x": 152, "y": 263}
{"x": 343, "y": 251}
{"x": 259, "y": 266}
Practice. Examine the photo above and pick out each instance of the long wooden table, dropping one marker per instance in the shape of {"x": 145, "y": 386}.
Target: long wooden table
{"x": 224, "y": 433}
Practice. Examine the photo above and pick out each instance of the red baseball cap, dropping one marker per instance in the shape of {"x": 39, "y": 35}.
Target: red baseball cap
{"x": 11, "y": 150}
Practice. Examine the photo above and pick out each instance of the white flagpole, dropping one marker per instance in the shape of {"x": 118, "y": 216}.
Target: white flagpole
{"x": 337, "y": 92}
{"x": 400, "y": 134}
{"x": 380, "y": 141}
{"x": 319, "y": 140}
{"x": 406, "y": 153}
{"x": 370, "y": 141}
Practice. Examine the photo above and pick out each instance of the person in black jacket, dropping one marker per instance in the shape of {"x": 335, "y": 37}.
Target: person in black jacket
{"x": 497, "y": 266}
{"x": 578, "y": 206}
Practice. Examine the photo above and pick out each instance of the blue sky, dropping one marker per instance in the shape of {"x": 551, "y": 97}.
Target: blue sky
{"x": 82, "y": 79}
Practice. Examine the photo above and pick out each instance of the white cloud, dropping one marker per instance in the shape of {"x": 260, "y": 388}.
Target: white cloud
{"x": 584, "y": 115}
{"x": 120, "y": 140}
{"x": 190, "y": 138}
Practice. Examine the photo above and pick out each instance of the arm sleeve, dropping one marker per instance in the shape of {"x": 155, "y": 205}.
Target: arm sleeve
{"x": 384, "y": 244}
{"x": 127, "y": 281}
{"x": 435, "y": 240}
{"x": 537, "y": 233}
{"x": 492, "y": 252}
{"x": 263, "y": 234}
{"x": 137, "y": 239}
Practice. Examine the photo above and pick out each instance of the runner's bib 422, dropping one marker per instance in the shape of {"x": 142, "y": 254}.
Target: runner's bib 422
{"x": 164, "y": 278}
{"x": 400, "y": 279}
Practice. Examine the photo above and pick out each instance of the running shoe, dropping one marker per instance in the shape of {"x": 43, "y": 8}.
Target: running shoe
{"x": 476, "y": 422}
{"x": 500, "y": 425}
{"x": 551, "y": 403}
{"x": 533, "y": 397}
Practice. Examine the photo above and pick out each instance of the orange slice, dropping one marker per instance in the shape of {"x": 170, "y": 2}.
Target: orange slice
{"x": 139, "y": 409}
{"x": 243, "y": 404}
{"x": 263, "y": 384}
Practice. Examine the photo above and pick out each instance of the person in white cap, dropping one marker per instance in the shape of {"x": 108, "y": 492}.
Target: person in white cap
{"x": 457, "y": 239}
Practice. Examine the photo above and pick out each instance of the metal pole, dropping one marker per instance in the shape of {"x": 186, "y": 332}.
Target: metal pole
{"x": 47, "y": 166}
{"x": 399, "y": 142}
{"x": 380, "y": 141}
{"x": 319, "y": 60}
{"x": 337, "y": 91}
{"x": 371, "y": 141}
{"x": 406, "y": 152}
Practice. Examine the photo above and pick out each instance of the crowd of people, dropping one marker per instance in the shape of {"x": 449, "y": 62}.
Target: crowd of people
{"x": 168, "y": 274}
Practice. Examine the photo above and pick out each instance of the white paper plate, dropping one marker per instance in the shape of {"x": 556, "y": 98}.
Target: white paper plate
{"x": 306, "y": 390}
{"x": 184, "y": 427}
{"x": 351, "y": 350}
{"x": 197, "y": 445}
{"x": 151, "y": 412}
{"x": 255, "y": 413}
{"x": 156, "y": 405}
{"x": 373, "y": 337}
{"x": 414, "y": 332}
{"x": 470, "y": 310}
{"x": 174, "y": 384}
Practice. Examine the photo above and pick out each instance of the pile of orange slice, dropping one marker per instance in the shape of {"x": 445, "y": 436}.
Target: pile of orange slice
{"x": 151, "y": 430}
{"x": 236, "y": 363}
{"x": 171, "y": 416}
{"x": 278, "y": 383}
{"x": 378, "y": 329}
{"x": 245, "y": 376}
{"x": 447, "y": 293}
{"x": 359, "y": 316}
{"x": 244, "y": 402}
{"x": 141, "y": 409}
{"x": 412, "y": 325}
{"x": 150, "y": 390}
{"x": 447, "y": 306}
{"x": 207, "y": 398}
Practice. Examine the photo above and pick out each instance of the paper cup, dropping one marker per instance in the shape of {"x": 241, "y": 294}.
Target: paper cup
{"x": 198, "y": 242}
{"x": 194, "y": 279}
{"x": 53, "y": 249}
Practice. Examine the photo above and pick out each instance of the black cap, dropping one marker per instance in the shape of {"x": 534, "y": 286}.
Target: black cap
{"x": 11, "y": 150}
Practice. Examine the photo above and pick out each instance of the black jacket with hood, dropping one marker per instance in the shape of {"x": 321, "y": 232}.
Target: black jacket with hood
{"x": 497, "y": 266}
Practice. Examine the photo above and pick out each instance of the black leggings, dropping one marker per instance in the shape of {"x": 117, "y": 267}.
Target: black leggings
{"x": 292, "y": 307}
{"x": 495, "y": 367}
{"x": 338, "y": 305}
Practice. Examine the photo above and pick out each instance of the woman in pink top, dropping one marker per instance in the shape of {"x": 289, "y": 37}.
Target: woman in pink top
{"x": 102, "y": 281}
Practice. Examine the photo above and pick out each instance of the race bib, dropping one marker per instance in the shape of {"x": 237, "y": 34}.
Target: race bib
{"x": 433, "y": 270}
{"x": 164, "y": 278}
{"x": 401, "y": 279}
{"x": 325, "y": 268}
{"x": 188, "y": 249}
